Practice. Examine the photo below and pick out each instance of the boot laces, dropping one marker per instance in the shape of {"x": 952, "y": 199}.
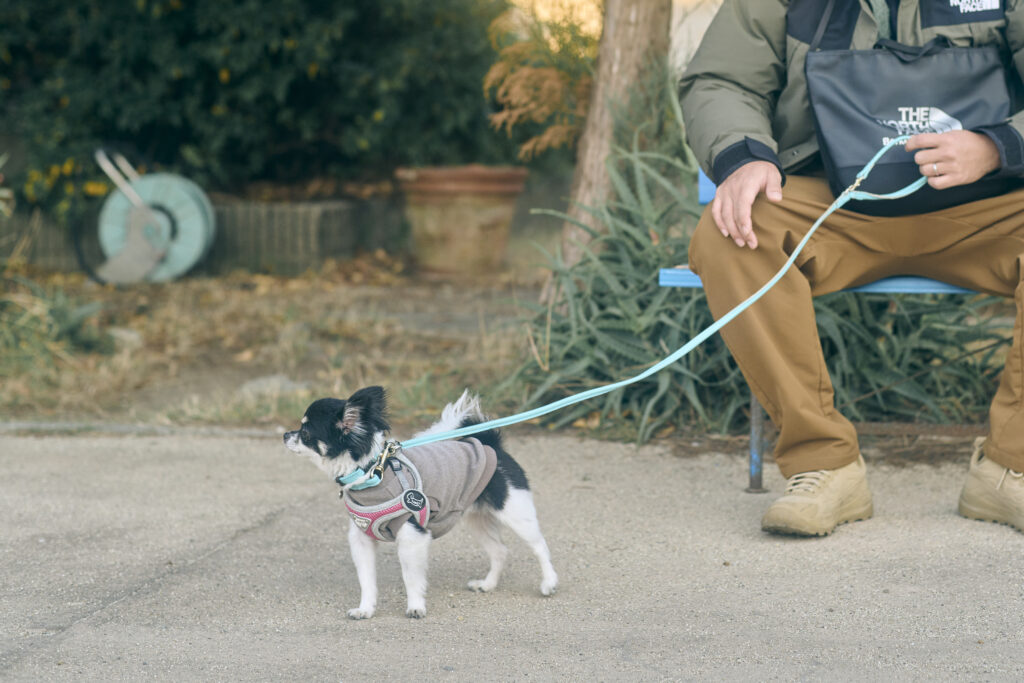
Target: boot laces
{"x": 807, "y": 481}
{"x": 1013, "y": 473}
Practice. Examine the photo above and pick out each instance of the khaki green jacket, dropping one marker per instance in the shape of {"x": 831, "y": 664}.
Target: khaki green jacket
{"x": 744, "y": 94}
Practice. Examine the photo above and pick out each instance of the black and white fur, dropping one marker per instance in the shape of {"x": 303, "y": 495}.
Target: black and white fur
{"x": 341, "y": 435}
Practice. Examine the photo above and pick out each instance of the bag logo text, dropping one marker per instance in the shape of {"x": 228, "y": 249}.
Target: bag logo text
{"x": 966, "y": 6}
{"x": 916, "y": 120}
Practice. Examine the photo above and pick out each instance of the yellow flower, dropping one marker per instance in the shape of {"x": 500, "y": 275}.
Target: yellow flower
{"x": 69, "y": 188}
{"x": 290, "y": 43}
{"x": 53, "y": 173}
{"x": 177, "y": 73}
{"x": 225, "y": 75}
{"x": 218, "y": 110}
{"x": 34, "y": 175}
{"x": 378, "y": 115}
{"x": 175, "y": 4}
{"x": 30, "y": 192}
{"x": 95, "y": 188}
{"x": 64, "y": 101}
{"x": 68, "y": 167}
{"x": 312, "y": 69}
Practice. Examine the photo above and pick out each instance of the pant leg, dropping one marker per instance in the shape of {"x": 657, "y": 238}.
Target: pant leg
{"x": 775, "y": 342}
{"x": 982, "y": 248}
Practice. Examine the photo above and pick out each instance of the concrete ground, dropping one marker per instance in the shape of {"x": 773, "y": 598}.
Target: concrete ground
{"x": 185, "y": 557}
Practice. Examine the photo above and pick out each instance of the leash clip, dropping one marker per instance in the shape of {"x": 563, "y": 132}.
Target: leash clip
{"x": 373, "y": 476}
{"x": 390, "y": 448}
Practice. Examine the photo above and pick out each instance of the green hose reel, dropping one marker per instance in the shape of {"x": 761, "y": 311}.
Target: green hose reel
{"x": 154, "y": 227}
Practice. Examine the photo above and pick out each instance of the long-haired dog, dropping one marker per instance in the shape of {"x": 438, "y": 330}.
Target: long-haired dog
{"x": 425, "y": 490}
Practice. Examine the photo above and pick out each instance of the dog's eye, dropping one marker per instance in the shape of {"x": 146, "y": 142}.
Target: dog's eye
{"x": 303, "y": 434}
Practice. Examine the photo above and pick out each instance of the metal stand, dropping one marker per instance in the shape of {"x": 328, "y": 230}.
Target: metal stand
{"x": 756, "y": 446}
{"x": 138, "y": 257}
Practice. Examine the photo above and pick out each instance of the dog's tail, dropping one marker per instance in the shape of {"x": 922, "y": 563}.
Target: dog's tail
{"x": 466, "y": 412}
{"x": 490, "y": 437}
{"x": 461, "y": 413}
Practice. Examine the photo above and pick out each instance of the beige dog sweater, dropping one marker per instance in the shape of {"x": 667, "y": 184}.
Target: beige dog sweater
{"x": 436, "y": 482}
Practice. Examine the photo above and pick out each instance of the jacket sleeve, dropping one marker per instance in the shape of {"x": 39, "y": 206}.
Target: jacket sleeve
{"x": 729, "y": 91}
{"x": 1009, "y": 137}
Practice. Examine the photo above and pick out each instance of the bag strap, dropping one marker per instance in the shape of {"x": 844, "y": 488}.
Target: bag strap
{"x": 912, "y": 53}
{"x": 880, "y": 8}
{"x": 822, "y": 25}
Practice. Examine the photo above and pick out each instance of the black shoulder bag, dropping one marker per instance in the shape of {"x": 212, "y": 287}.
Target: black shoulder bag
{"x": 861, "y": 99}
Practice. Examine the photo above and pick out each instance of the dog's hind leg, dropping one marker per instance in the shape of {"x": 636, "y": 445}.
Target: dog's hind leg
{"x": 485, "y": 529}
{"x": 413, "y": 543}
{"x": 520, "y": 516}
{"x": 364, "y": 556}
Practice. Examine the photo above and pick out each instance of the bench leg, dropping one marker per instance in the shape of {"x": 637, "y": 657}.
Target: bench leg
{"x": 756, "y": 446}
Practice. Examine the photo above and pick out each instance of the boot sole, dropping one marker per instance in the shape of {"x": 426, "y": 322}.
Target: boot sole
{"x": 987, "y": 514}
{"x": 845, "y": 517}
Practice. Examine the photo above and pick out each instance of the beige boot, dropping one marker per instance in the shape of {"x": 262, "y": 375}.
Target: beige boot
{"x": 816, "y": 502}
{"x": 992, "y": 493}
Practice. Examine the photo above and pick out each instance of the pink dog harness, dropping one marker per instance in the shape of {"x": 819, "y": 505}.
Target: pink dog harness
{"x": 432, "y": 484}
{"x": 412, "y": 500}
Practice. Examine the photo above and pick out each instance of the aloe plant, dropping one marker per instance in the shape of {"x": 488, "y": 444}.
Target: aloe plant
{"x": 891, "y": 357}
{"x": 6, "y": 193}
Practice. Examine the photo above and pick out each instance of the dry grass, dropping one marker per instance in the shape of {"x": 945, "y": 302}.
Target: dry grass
{"x": 180, "y": 352}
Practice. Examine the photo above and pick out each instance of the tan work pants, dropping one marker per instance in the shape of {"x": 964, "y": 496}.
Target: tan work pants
{"x": 775, "y": 342}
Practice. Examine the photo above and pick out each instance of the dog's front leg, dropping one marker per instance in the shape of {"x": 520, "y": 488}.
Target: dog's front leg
{"x": 364, "y": 556}
{"x": 413, "y": 543}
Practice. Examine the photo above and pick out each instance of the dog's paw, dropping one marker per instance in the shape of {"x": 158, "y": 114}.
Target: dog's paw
{"x": 481, "y": 585}
{"x": 416, "y": 612}
{"x": 548, "y": 587}
{"x": 360, "y": 613}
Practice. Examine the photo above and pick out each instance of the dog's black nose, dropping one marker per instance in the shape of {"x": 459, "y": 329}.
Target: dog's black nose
{"x": 288, "y": 436}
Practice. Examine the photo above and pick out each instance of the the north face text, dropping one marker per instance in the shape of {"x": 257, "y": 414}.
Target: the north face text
{"x": 915, "y": 120}
{"x": 974, "y": 5}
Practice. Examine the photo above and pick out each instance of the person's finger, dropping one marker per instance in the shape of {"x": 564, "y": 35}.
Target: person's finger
{"x": 944, "y": 180}
{"x": 930, "y": 170}
{"x": 928, "y": 156}
{"x": 773, "y": 189}
{"x": 716, "y": 214}
{"x": 743, "y": 221}
{"x": 923, "y": 141}
{"x": 729, "y": 218}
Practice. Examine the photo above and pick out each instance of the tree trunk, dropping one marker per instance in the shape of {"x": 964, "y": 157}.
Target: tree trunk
{"x": 634, "y": 32}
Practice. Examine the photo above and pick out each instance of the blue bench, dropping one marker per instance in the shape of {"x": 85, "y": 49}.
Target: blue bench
{"x": 682, "y": 276}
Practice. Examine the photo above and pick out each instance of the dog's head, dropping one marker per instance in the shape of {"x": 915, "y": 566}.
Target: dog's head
{"x": 339, "y": 435}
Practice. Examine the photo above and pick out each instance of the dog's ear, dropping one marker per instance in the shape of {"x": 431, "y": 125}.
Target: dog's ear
{"x": 364, "y": 409}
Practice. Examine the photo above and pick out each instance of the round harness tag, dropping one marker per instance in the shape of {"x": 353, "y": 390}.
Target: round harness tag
{"x": 413, "y": 500}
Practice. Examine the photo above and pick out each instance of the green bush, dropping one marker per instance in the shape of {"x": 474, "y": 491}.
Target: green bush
{"x": 42, "y": 326}
{"x": 929, "y": 358}
{"x": 228, "y": 93}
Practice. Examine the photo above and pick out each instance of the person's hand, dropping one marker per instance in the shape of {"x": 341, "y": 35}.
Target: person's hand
{"x": 956, "y": 157}
{"x": 735, "y": 196}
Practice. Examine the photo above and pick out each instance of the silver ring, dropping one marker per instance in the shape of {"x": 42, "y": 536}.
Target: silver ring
{"x": 935, "y": 167}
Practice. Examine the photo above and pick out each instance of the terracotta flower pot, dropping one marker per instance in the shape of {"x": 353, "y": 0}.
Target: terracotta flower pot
{"x": 459, "y": 215}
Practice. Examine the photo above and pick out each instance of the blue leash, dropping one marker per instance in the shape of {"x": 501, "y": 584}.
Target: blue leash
{"x": 850, "y": 193}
